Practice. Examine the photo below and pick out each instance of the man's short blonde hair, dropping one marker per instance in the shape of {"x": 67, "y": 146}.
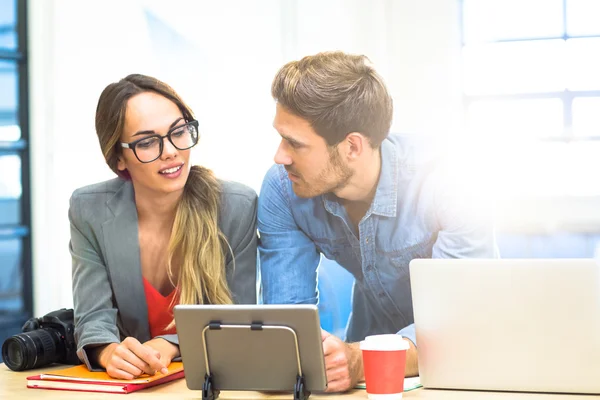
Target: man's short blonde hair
{"x": 337, "y": 93}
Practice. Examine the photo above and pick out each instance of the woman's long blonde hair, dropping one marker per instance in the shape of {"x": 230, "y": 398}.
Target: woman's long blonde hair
{"x": 195, "y": 239}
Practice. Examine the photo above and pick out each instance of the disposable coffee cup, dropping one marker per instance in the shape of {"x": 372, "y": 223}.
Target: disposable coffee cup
{"x": 384, "y": 362}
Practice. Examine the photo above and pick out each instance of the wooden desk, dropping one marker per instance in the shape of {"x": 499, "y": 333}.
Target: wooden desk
{"x": 14, "y": 386}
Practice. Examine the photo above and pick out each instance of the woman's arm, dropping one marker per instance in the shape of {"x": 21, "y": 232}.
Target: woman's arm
{"x": 95, "y": 314}
{"x": 96, "y": 332}
{"x": 238, "y": 223}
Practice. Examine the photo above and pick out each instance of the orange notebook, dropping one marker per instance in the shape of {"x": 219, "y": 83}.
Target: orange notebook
{"x": 79, "y": 378}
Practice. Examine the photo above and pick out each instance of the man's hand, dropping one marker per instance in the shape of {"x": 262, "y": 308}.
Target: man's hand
{"x": 130, "y": 359}
{"x": 343, "y": 363}
{"x": 412, "y": 361}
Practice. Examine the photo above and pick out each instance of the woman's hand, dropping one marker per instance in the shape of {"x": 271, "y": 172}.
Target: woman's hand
{"x": 167, "y": 350}
{"x": 130, "y": 359}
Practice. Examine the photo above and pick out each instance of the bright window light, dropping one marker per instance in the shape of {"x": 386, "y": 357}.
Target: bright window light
{"x": 514, "y": 67}
{"x": 531, "y": 81}
{"x": 583, "y": 60}
{"x": 586, "y": 118}
{"x": 10, "y": 133}
{"x": 489, "y": 20}
{"x": 583, "y": 17}
{"x": 516, "y": 119}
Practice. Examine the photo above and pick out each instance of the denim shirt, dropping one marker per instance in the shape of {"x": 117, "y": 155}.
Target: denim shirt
{"x": 420, "y": 210}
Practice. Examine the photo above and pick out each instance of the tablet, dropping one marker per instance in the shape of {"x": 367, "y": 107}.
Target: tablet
{"x": 251, "y": 347}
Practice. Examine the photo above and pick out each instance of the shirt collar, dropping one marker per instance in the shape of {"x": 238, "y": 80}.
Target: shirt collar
{"x": 385, "y": 201}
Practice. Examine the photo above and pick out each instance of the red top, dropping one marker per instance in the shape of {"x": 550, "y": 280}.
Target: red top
{"x": 160, "y": 310}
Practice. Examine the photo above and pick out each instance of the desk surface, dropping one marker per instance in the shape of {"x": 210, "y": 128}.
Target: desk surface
{"x": 13, "y": 386}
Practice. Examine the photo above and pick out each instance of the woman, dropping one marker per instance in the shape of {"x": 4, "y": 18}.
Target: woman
{"x": 161, "y": 234}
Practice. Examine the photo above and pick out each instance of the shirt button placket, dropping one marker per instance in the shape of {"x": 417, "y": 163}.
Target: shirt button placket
{"x": 369, "y": 251}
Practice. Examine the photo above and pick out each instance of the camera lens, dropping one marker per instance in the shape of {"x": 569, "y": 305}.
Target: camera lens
{"x": 14, "y": 353}
{"x": 32, "y": 349}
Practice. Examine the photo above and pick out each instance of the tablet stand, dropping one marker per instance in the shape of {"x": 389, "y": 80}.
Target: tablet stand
{"x": 209, "y": 392}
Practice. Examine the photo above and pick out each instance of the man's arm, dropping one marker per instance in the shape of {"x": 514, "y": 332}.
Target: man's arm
{"x": 463, "y": 208}
{"x": 463, "y": 213}
{"x": 288, "y": 257}
{"x": 412, "y": 362}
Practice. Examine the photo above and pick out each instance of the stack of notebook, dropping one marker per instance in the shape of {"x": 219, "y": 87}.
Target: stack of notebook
{"x": 80, "y": 379}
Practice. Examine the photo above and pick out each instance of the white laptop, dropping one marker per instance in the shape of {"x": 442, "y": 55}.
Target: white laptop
{"x": 508, "y": 324}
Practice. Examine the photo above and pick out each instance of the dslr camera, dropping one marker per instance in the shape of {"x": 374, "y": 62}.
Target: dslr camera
{"x": 46, "y": 340}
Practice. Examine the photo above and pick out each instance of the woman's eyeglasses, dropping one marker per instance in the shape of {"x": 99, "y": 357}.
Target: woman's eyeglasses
{"x": 150, "y": 148}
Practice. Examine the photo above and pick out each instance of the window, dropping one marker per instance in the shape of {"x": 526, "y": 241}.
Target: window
{"x": 15, "y": 245}
{"x": 531, "y": 85}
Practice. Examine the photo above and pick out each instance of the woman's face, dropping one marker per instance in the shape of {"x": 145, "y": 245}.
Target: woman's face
{"x": 149, "y": 114}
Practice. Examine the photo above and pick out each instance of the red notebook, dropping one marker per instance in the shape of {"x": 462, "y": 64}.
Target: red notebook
{"x": 79, "y": 378}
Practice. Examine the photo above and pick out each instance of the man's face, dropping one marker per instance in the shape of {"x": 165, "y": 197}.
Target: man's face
{"x": 312, "y": 166}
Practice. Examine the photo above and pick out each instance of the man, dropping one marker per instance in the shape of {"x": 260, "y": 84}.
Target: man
{"x": 344, "y": 188}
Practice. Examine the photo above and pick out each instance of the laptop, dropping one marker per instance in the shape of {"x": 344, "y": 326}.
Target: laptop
{"x": 527, "y": 325}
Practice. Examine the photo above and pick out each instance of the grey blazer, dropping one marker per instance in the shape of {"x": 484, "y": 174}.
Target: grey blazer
{"x": 108, "y": 291}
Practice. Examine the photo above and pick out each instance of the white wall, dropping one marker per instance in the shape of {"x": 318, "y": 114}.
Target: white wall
{"x": 75, "y": 50}
{"x": 236, "y": 46}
